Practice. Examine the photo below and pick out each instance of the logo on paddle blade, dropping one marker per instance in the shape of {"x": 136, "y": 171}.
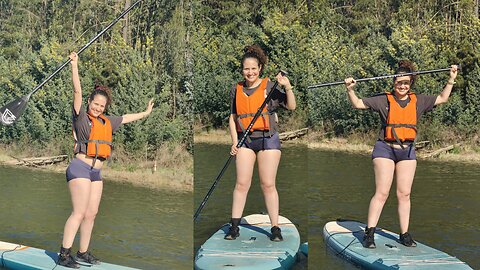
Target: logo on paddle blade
{"x": 8, "y": 117}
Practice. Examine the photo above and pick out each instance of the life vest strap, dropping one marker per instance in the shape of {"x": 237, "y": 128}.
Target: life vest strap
{"x": 397, "y": 139}
{"x": 240, "y": 116}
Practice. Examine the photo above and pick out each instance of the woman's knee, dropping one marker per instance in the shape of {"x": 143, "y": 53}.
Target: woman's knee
{"x": 268, "y": 187}
{"x": 381, "y": 196}
{"x": 403, "y": 195}
{"x": 242, "y": 186}
{"x": 78, "y": 215}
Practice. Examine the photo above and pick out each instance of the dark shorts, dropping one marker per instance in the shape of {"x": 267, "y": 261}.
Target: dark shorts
{"x": 262, "y": 143}
{"x": 383, "y": 150}
{"x": 80, "y": 169}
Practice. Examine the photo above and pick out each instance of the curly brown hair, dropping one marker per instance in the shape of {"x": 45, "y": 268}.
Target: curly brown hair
{"x": 406, "y": 66}
{"x": 102, "y": 90}
{"x": 255, "y": 51}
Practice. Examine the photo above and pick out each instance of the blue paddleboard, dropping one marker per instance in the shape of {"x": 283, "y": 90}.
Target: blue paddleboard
{"x": 19, "y": 257}
{"x": 304, "y": 248}
{"x": 253, "y": 249}
{"x": 345, "y": 239}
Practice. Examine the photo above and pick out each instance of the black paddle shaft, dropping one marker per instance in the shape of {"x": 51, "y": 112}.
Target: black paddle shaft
{"x": 239, "y": 144}
{"x": 382, "y": 77}
{"x": 13, "y": 110}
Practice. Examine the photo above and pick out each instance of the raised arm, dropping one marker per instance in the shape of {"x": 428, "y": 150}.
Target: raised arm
{"x": 77, "y": 88}
{"x": 356, "y": 102}
{"x": 443, "y": 97}
{"x": 285, "y": 82}
{"x": 127, "y": 118}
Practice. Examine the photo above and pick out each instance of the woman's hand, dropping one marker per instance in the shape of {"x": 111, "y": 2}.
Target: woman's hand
{"x": 149, "y": 106}
{"x": 233, "y": 150}
{"x": 453, "y": 73}
{"x": 284, "y": 81}
{"x": 350, "y": 83}
{"x": 74, "y": 59}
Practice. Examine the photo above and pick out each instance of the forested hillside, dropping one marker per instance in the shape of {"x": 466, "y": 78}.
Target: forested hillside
{"x": 324, "y": 41}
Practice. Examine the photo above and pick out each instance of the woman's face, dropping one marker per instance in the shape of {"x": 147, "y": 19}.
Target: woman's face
{"x": 97, "y": 105}
{"x": 402, "y": 86}
{"x": 251, "y": 70}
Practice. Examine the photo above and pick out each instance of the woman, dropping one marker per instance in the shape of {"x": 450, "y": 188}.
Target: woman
{"x": 394, "y": 151}
{"x": 93, "y": 137}
{"x": 263, "y": 142}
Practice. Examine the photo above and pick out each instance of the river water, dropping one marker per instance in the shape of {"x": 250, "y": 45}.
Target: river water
{"x": 291, "y": 185}
{"x": 135, "y": 226}
{"x": 445, "y": 204}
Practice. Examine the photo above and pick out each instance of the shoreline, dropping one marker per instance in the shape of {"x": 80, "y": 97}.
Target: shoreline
{"x": 162, "y": 179}
{"x": 356, "y": 143}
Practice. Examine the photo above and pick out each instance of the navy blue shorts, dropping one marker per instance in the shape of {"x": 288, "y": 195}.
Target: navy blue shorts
{"x": 383, "y": 150}
{"x": 80, "y": 169}
{"x": 262, "y": 143}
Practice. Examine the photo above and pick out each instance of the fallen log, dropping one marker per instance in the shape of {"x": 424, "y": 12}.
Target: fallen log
{"x": 290, "y": 135}
{"x": 40, "y": 161}
{"x": 440, "y": 151}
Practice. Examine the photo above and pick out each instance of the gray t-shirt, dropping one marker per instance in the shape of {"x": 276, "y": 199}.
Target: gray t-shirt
{"x": 83, "y": 126}
{"x": 279, "y": 99}
{"x": 379, "y": 103}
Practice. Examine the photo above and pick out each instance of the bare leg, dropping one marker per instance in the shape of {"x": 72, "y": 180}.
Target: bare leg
{"x": 86, "y": 227}
{"x": 268, "y": 161}
{"x": 384, "y": 169}
{"x": 80, "y": 194}
{"x": 404, "y": 174}
{"x": 245, "y": 161}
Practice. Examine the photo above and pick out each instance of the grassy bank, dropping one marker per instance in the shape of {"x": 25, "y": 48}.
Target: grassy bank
{"x": 173, "y": 170}
{"x": 468, "y": 151}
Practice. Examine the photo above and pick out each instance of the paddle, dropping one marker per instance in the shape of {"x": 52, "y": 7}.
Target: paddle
{"x": 382, "y": 77}
{"x": 239, "y": 144}
{"x": 13, "y": 110}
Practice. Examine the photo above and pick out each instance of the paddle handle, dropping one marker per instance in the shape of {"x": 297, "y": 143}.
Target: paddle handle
{"x": 382, "y": 77}
{"x": 84, "y": 47}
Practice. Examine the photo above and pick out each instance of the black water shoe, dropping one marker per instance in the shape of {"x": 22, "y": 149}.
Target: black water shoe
{"x": 276, "y": 234}
{"x": 369, "y": 238}
{"x": 407, "y": 240}
{"x": 86, "y": 257}
{"x": 233, "y": 233}
{"x": 66, "y": 259}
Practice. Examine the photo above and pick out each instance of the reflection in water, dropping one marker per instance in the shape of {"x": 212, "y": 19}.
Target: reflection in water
{"x": 135, "y": 227}
{"x": 445, "y": 203}
{"x": 291, "y": 185}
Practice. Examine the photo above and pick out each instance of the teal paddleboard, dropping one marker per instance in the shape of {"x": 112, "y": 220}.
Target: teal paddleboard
{"x": 253, "y": 249}
{"x": 304, "y": 248}
{"x": 19, "y": 257}
{"x": 345, "y": 239}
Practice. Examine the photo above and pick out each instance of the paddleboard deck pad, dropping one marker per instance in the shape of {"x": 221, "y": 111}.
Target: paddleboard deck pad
{"x": 253, "y": 249}
{"x": 19, "y": 257}
{"x": 345, "y": 239}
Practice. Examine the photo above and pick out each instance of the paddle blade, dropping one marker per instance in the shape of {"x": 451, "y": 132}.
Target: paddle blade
{"x": 13, "y": 110}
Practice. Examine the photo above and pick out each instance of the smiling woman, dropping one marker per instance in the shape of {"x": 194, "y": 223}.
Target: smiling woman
{"x": 394, "y": 151}
{"x": 93, "y": 141}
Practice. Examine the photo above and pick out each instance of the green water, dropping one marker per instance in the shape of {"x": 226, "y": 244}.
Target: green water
{"x": 291, "y": 185}
{"x": 445, "y": 203}
{"x": 136, "y": 227}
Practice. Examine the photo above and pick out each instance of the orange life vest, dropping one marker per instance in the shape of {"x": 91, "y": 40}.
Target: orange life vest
{"x": 99, "y": 144}
{"x": 247, "y": 106}
{"x": 401, "y": 123}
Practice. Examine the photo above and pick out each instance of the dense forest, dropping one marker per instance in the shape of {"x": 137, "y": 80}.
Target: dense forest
{"x": 143, "y": 56}
{"x": 325, "y": 41}
{"x": 186, "y": 55}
